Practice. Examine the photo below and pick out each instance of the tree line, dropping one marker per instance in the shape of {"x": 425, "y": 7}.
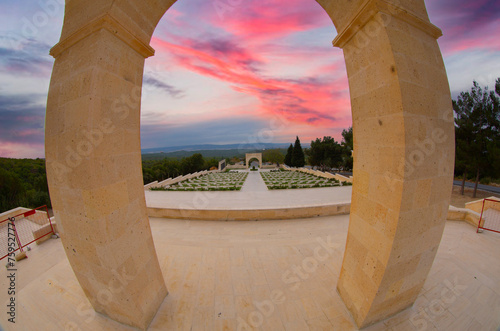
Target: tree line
{"x": 23, "y": 182}
{"x": 325, "y": 153}
{"x": 170, "y": 168}
{"x": 477, "y": 135}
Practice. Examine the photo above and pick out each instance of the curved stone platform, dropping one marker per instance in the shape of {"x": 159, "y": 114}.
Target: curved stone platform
{"x": 221, "y": 273}
{"x": 250, "y": 214}
{"x": 253, "y": 202}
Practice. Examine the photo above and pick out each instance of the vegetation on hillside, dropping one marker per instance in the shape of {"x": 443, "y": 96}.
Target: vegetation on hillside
{"x": 23, "y": 182}
{"x": 212, "y": 153}
{"x": 170, "y": 168}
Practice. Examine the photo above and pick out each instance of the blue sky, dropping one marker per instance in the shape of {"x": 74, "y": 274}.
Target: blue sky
{"x": 263, "y": 72}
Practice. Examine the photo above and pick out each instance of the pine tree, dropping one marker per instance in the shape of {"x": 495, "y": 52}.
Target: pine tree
{"x": 298, "y": 158}
{"x": 288, "y": 157}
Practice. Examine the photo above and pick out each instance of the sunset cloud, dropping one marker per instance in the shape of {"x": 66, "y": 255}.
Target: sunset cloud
{"x": 311, "y": 100}
{"x": 156, "y": 83}
{"x": 467, "y": 25}
{"x": 270, "y": 20}
{"x": 21, "y": 125}
{"x": 29, "y": 59}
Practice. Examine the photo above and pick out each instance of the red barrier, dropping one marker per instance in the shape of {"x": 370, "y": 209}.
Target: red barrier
{"x": 26, "y": 228}
{"x": 490, "y": 216}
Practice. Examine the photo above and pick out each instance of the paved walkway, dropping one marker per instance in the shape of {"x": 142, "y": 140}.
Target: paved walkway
{"x": 254, "y": 183}
{"x": 253, "y": 195}
{"x": 222, "y": 275}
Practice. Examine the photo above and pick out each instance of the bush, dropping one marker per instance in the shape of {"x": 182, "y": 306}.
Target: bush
{"x": 485, "y": 181}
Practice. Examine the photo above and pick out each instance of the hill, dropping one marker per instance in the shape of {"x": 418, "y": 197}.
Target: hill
{"x": 208, "y": 151}
{"x": 202, "y": 147}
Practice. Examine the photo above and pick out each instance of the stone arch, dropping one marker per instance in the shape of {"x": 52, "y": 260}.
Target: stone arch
{"x": 250, "y": 156}
{"x": 403, "y": 153}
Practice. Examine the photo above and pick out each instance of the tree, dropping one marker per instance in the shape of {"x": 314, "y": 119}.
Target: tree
{"x": 477, "y": 131}
{"x": 298, "y": 158}
{"x": 273, "y": 156}
{"x": 288, "y": 156}
{"x": 211, "y": 163}
{"x": 192, "y": 164}
{"x": 11, "y": 190}
{"x": 348, "y": 146}
{"x": 23, "y": 182}
{"x": 325, "y": 153}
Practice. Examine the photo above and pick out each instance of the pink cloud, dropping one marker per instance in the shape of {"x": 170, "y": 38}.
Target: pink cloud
{"x": 313, "y": 101}
{"x": 21, "y": 150}
{"x": 484, "y": 40}
{"x": 28, "y": 133}
{"x": 265, "y": 20}
{"x": 467, "y": 25}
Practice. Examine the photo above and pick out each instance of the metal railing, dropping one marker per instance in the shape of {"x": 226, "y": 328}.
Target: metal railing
{"x": 19, "y": 231}
{"x": 490, "y": 216}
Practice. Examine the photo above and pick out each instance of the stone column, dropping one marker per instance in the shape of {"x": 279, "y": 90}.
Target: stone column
{"x": 403, "y": 158}
{"x": 94, "y": 170}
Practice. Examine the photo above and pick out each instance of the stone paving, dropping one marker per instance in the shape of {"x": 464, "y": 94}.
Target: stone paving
{"x": 270, "y": 275}
{"x": 254, "y": 184}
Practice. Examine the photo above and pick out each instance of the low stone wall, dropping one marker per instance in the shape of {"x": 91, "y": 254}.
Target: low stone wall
{"x": 250, "y": 214}
{"x": 234, "y": 166}
{"x": 46, "y": 228}
{"x": 463, "y": 214}
{"x": 21, "y": 210}
{"x": 38, "y": 220}
{"x": 153, "y": 184}
{"x": 477, "y": 205}
{"x": 341, "y": 178}
{"x": 171, "y": 181}
{"x": 319, "y": 173}
{"x": 43, "y": 231}
{"x": 11, "y": 213}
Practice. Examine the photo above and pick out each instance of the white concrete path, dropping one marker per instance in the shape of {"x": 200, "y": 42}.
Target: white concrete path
{"x": 254, "y": 183}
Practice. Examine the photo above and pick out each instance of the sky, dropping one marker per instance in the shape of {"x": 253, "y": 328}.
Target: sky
{"x": 229, "y": 71}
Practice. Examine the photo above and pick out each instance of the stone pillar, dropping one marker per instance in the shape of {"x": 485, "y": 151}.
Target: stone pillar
{"x": 94, "y": 170}
{"x": 403, "y": 158}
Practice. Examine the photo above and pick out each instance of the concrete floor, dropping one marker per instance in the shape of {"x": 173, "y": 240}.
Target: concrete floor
{"x": 270, "y": 275}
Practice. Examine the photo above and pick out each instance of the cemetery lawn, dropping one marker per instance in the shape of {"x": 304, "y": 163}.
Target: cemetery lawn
{"x": 226, "y": 181}
{"x": 281, "y": 180}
